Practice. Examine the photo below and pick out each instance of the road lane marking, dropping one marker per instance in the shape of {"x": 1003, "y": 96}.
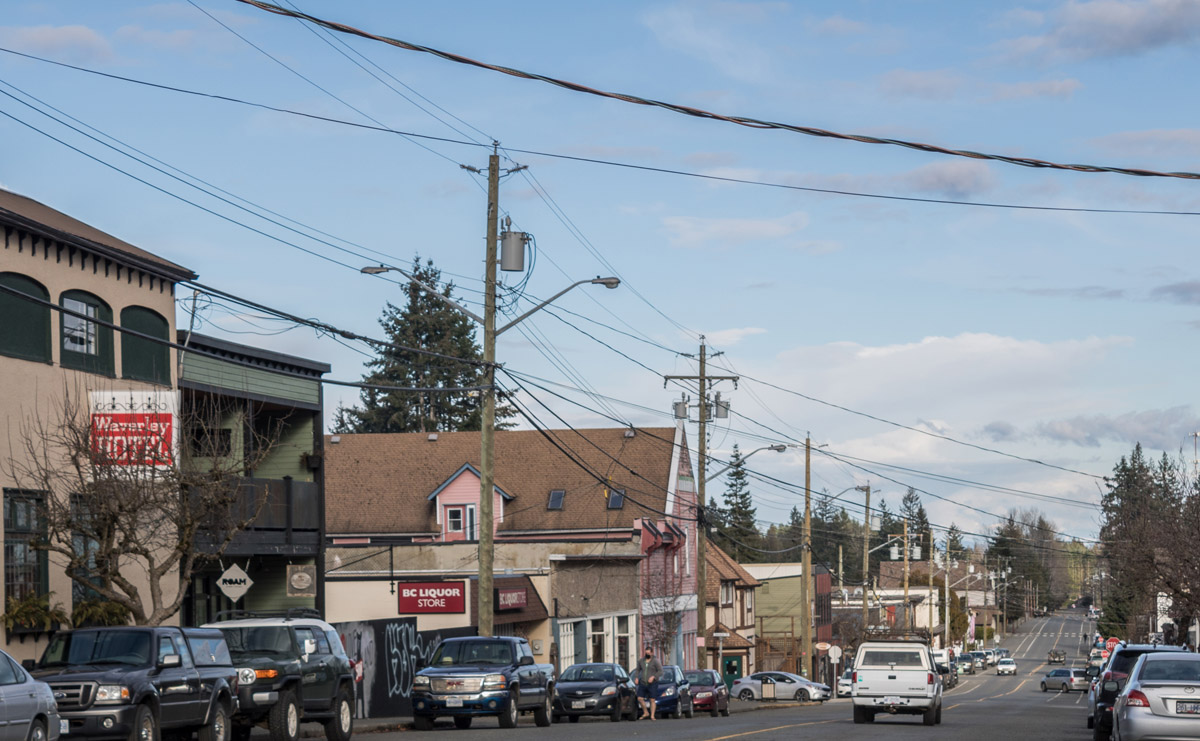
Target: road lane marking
{"x": 776, "y": 728}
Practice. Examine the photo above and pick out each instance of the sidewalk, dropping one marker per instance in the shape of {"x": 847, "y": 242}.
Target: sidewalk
{"x": 385, "y": 725}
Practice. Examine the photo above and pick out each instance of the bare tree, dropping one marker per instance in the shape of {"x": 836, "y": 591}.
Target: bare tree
{"x": 132, "y": 514}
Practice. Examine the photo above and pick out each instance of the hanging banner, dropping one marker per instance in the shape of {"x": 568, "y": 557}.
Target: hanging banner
{"x": 135, "y": 428}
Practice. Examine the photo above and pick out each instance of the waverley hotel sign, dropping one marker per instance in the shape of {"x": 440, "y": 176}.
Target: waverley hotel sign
{"x": 417, "y": 598}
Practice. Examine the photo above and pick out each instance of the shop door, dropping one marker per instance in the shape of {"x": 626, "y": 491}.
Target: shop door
{"x": 731, "y": 670}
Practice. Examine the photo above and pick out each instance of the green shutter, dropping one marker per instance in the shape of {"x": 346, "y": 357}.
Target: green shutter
{"x": 25, "y": 328}
{"x": 141, "y": 359}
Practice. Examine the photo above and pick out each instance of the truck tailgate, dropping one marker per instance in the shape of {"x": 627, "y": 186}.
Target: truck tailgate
{"x": 895, "y": 682}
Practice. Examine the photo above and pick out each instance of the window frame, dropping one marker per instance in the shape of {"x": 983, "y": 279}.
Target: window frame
{"x": 40, "y": 583}
{"x": 552, "y": 504}
{"x": 616, "y": 499}
{"x": 101, "y": 361}
{"x": 462, "y": 519}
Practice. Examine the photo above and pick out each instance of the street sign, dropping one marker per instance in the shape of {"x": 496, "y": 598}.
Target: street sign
{"x": 835, "y": 654}
{"x": 1111, "y": 643}
{"x": 234, "y": 583}
{"x": 720, "y": 635}
{"x": 822, "y": 646}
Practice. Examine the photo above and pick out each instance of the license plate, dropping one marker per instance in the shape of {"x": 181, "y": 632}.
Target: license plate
{"x": 1190, "y": 708}
{"x": 64, "y": 726}
{"x": 891, "y": 700}
{"x": 578, "y": 704}
{"x": 454, "y": 702}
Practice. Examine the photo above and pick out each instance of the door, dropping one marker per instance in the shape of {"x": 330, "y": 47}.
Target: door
{"x": 318, "y": 669}
{"x": 178, "y": 687}
{"x": 17, "y": 701}
{"x": 731, "y": 670}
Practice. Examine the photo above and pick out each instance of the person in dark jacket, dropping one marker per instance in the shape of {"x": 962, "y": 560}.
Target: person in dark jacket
{"x": 648, "y": 671}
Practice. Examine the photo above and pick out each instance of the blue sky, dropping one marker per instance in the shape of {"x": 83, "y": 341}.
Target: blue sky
{"x": 1061, "y": 336}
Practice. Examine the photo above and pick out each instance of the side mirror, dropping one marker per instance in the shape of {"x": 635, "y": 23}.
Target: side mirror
{"x": 421, "y": 663}
{"x": 1093, "y": 671}
{"x": 1111, "y": 686}
{"x": 28, "y": 665}
{"x": 310, "y": 646}
{"x": 943, "y": 669}
{"x": 525, "y": 661}
{"x": 169, "y": 660}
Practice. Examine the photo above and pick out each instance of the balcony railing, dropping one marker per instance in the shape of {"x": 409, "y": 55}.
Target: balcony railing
{"x": 288, "y": 519}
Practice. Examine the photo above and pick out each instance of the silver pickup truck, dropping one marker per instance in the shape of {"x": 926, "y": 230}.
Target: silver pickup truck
{"x": 898, "y": 677}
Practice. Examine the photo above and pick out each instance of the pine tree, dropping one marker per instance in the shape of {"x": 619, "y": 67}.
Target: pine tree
{"x": 739, "y": 513}
{"x": 955, "y": 547}
{"x": 912, "y": 510}
{"x": 428, "y": 323}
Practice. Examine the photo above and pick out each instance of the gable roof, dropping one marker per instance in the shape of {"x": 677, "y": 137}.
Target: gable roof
{"x": 723, "y": 568}
{"x": 380, "y": 483}
{"x": 466, "y": 467}
{"x": 38, "y": 218}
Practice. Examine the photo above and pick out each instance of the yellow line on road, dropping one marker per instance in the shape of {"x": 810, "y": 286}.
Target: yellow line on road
{"x": 776, "y": 728}
{"x": 1019, "y": 686}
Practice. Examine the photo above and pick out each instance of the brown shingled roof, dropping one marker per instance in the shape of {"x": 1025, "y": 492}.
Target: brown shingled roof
{"x": 723, "y": 568}
{"x": 379, "y": 483}
{"x": 38, "y": 218}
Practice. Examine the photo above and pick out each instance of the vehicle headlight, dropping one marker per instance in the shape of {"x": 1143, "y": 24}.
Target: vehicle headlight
{"x": 702, "y": 695}
{"x": 246, "y": 675}
{"x": 112, "y": 693}
{"x": 668, "y": 692}
{"x": 495, "y": 681}
{"x": 608, "y": 691}
{"x": 420, "y": 681}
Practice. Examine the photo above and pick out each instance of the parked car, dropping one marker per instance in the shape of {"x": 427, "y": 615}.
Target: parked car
{"x": 110, "y": 682}
{"x": 1160, "y": 699}
{"x": 475, "y": 677}
{"x": 1003, "y": 653}
{"x": 1065, "y": 680}
{"x": 989, "y": 654}
{"x": 708, "y": 692}
{"x": 845, "y": 683}
{"x": 1118, "y": 669}
{"x": 1006, "y": 666}
{"x": 949, "y": 677}
{"x": 1057, "y": 656}
{"x": 787, "y": 687}
{"x": 966, "y": 665}
{"x": 979, "y": 659}
{"x": 672, "y": 694}
{"x": 594, "y": 689}
{"x": 27, "y": 705}
{"x": 292, "y": 669}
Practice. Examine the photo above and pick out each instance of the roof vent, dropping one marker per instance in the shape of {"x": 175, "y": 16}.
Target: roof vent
{"x": 335, "y": 439}
{"x": 432, "y": 437}
{"x": 630, "y": 432}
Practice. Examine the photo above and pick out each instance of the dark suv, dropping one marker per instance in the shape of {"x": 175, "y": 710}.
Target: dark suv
{"x": 291, "y": 669}
{"x": 1123, "y": 657}
{"x": 138, "y": 682}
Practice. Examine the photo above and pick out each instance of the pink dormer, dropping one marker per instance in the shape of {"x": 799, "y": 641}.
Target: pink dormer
{"x": 456, "y": 502}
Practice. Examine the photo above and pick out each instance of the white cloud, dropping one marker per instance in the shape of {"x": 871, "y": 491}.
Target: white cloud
{"x": 1040, "y": 89}
{"x": 952, "y": 178}
{"x": 1111, "y": 28}
{"x": 730, "y": 337}
{"x": 706, "y": 31}
{"x": 694, "y": 231}
{"x": 72, "y": 43}
{"x": 1160, "y": 429}
{"x": 924, "y": 84}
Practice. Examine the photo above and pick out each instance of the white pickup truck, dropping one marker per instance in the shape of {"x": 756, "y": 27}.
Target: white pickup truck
{"x": 898, "y": 677}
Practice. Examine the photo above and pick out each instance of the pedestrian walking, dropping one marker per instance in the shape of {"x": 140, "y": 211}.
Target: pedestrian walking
{"x": 648, "y": 671}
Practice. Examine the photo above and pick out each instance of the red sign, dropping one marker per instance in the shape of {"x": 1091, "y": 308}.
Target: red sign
{"x": 1111, "y": 643}
{"x": 133, "y": 439}
{"x": 431, "y": 597}
{"x": 511, "y": 599}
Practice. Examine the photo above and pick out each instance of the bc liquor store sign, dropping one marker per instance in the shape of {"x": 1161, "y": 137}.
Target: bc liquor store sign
{"x": 417, "y": 598}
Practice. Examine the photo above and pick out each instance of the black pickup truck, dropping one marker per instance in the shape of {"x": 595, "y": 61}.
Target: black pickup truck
{"x": 472, "y": 677}
{"x": 137, "y": 682}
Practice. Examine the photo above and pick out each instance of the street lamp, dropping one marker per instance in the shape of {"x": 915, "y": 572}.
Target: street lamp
{"x": 777, "y": 448}
{"x": 487, "y": 474}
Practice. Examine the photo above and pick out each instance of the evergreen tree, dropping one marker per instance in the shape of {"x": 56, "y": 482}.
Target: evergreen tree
{"x": 955, "y": 547}
{"x": 739, "y": 514}
{"x": 912, "y": 510}
{"x": 427, "y": 323}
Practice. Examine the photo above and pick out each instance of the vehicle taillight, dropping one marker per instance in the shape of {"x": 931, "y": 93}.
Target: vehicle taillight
{"x": 930, "y": 680}
{"x": 1137, "y": 700}
{"x": 1107, "y": 676}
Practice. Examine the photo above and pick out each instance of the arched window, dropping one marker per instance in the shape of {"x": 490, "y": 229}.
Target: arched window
{"x": 25, "y": 328}
{"x": 142, "y": 359}
{"x": 86, "y": 345}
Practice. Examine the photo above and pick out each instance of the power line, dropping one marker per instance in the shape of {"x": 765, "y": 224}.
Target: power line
{"x": 754, "y": 123}
{"x": 609, "y": 163}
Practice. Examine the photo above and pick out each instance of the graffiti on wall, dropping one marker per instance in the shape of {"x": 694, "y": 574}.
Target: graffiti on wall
{"x": 386, "y": 656}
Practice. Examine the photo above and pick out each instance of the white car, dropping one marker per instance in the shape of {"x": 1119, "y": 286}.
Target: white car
{"x": 787, "y": 687}
{"x": 1006, "y": 666}
{"x": 845, "y": 684}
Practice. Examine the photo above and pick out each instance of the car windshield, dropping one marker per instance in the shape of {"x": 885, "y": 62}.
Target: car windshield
{"x": 588, "y": 673}
{"x": 1007, "y": 661}
{"x": 98, "y": 647}
{"x": 453, "y": 653}
{"x": 669, "y": 674}
{"x": 1172, "y": 671}
{"x": 265, "y": 640}
{"x": 701, "y": 679}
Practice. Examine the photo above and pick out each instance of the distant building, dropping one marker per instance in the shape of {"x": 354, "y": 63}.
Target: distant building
{"x": 732, "y": 639}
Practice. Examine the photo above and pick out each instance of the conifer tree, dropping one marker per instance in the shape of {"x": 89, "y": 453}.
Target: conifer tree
{"x": 739, "y": 513}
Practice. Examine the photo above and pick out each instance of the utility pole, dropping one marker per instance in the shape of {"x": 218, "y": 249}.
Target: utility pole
{"x": 841, "y": 583}
{"x": 806, "y": 581}
{"x": 487, "y": 435}
{"x": 866, "y": 569}
{"x": 703, "y": 380}
{"x": 931, "y": 623}
{"x": 907, "y": 623}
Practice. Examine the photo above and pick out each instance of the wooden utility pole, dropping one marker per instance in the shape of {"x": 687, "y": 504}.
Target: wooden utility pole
{"x": 703, "y": 380}
{"x": 931, "y": 623}
{"x": 806, "y": 578}
{"x": 487, "y": 473}
{"x": 866, "y": 569}
{"x": 907, "y": 622}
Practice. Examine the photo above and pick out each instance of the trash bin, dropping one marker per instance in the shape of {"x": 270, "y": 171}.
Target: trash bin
{"x": 767, "y": 689}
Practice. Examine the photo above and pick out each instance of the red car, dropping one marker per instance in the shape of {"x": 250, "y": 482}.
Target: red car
{"x": 708, "y": 691}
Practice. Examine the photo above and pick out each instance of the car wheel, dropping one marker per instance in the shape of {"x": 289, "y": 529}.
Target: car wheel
{"x": 1043, "y": 686}
{"x": 284, "y": 719}
{"x": 1099, "y": 735}
{"x": 462, "y": 722}
{"x": 217, "y": 728}
{"x": 1066, "y": 687}
{"x": 145, "y": 727}
{"x": 615, "y": 716}
{"x": 422, "y": 722}
{"x": 746, "y": 694}
{"x": 341, "y": 726}
{"x": 691, "y": 709}
{"x": 802, "y": 696}
{"x": 713, "y": 711}
{"x": 725, "y": 711}
{"x": 508, "y": 718}
{"x": 929, "y": 717}
{"x": 37, "y": 731}
{"x": 1091, "y": 721}
{"x": 541, "y": 716}
{"x": 938, "y": 719}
